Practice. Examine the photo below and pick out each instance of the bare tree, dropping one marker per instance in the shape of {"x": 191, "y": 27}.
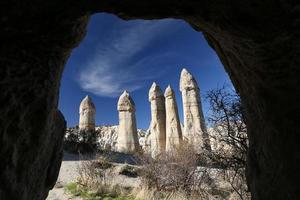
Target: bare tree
{"x": 229, "y": 132}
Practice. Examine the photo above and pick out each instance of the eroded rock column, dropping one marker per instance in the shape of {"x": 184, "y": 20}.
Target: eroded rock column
{"x": 127, "y": 133}
{"x": 173, "y": 126}
{"x": 194, "y": 125}
{"x": 87, "y": 111}
{"x": 157, "y": 137}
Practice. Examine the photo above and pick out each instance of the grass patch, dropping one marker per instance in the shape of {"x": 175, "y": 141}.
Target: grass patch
{"x": 83, "y": 192}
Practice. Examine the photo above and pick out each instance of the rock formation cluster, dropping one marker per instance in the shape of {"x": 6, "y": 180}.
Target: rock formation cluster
{"x": 194, "y": 131}
{"x": 165, "y": 131}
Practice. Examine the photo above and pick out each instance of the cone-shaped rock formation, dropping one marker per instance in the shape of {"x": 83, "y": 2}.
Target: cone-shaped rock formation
{"x": 173, "y": 126}
{"x": 127, "y": 138}
{"x": 87, "y": 113}
{"x": 157, "y": 137}
{"x": 194, "y": 125}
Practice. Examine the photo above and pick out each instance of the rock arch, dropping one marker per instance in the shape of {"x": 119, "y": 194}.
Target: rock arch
{"x": 257, "y": 42}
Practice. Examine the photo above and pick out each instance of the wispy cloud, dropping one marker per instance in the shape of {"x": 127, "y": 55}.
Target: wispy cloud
{"x": 119, "y": 62}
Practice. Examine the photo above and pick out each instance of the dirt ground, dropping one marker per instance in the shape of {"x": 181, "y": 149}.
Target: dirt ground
{"x": 68, "y": 173}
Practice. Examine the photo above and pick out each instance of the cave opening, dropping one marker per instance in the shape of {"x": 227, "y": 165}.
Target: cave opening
{"x": 118, "y": 55}
{"x": 257, "y": 43}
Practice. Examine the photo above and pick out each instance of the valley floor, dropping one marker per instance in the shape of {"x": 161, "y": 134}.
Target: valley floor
{"x": 69, "y": 173}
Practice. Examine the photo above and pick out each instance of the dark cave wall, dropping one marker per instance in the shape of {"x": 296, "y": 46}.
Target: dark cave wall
{"x": 257, "y": 42}
{"x": 35, "y": 45}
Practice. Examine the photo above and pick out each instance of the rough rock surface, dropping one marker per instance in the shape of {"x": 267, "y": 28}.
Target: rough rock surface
{"x": 194, "y": 125}
{"x": 106, "y": 136}
{"x": 173, "y": 126}
{"x": 157, "y": 130}
{"x": 127, "y": 132}
{"x": 87, "y": 112}
{"x": 257, "y": 41}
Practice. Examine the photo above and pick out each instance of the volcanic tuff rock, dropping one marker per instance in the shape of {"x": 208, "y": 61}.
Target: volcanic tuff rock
{"x": 127, "y": 137}
{"x": 173, "y": 126}
{"x": 87, "y": 112}
{"x": 194, "y": 125}
{"x": 157, "y": 130}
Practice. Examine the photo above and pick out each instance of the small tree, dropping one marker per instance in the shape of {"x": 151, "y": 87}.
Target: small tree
{"x": 229, "y": 132}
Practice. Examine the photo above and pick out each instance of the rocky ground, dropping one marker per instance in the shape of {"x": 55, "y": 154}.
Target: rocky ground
{"x": 69, "y": 173}
{"x": 106, "y": 140}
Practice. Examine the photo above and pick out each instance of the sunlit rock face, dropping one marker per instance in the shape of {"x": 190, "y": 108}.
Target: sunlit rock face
{"x": 157, "y": 131}
{"x": 87, "y": 112}
{"x": 127, "y": 132}
{"x": 194, "y": 125}
{"x": 173, "y": 126}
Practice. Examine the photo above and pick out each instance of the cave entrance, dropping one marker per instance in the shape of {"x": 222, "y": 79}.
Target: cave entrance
{"x": 119, "y": 55}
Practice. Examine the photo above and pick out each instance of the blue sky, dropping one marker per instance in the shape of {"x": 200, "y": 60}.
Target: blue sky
{"x": 119, "y": 55}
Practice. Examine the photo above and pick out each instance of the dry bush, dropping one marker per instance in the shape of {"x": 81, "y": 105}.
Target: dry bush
{"x": 175, "y": 174}
{"x": 130, "y": 171}
{"x": 237, "y": 181}
{"x": 95, "y": 173}
{"x": 79, "y": 141}
{"x": 96, "y": 180}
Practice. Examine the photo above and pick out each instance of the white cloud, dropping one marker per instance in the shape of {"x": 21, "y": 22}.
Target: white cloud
{"x": 116, "y": 65}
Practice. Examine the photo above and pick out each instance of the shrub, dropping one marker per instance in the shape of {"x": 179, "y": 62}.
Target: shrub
{"x": 102, "y": 162}
{"x": 95, "y": 181}
{"x": 77, "y": 141}
{"x": 175, "y": 172}
{"x": 129, "y": 171}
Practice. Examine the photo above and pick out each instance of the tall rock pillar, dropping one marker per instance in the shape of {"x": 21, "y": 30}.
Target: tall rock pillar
{"x": 194, "y": 125}
{"x": 173, "y": 126}
{"x": 127, "y": 135}
{"x": 157, "y": 137}
{"x": 87, "y": 111}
